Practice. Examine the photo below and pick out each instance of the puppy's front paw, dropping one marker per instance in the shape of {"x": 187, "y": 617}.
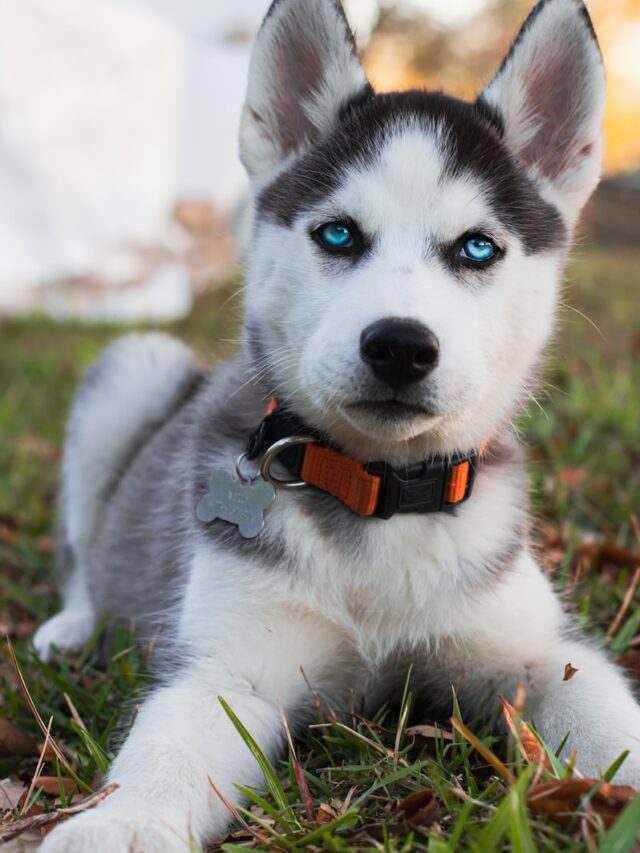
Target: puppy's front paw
{"x": 105, "y": 830}
{"x": 67, "y": 630}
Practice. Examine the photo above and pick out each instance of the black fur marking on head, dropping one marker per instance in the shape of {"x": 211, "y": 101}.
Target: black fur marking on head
{"x": 474, "y": 146}
{"x": 491, "y": 115}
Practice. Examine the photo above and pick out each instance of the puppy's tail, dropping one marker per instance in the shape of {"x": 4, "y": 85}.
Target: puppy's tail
{"x": 126, "y": 393}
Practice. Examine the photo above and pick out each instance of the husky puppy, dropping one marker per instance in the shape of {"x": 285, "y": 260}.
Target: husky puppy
{"x": 404, "y": 270}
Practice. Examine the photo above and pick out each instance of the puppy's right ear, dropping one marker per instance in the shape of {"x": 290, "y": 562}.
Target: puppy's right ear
{"x": 549, "y": 94}
{"x": 304, "y": 67}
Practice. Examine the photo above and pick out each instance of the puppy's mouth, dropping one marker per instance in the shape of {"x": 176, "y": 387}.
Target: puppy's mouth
{"x": 391, "y": 410}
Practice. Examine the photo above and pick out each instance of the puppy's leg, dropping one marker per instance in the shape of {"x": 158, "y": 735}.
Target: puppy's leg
{"x": 519, "y": 634}
{"x": 128, "y": 390}
{"x": 74, "y": 624}
{"x": 182, "y": 738}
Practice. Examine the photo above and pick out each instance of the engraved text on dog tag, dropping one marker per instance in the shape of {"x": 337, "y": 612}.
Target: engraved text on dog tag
{"x": 237, "y": 502}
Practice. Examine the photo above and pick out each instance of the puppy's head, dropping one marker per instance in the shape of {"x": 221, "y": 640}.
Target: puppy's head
{"x": 407, "y": 247}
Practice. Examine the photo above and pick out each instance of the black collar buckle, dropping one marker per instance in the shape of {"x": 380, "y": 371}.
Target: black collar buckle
{"x": 419, "y": 488}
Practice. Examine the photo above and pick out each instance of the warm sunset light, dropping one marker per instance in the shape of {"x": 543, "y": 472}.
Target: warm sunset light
{"x": 456, "y": 46}
{"x": 618, "y": 26}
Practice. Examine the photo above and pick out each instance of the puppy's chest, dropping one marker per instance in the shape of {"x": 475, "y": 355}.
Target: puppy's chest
{"x": 387, "y": 581}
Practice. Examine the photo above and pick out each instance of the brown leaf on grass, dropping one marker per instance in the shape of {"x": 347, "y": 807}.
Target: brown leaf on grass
{"x": 631, "y": 662}
{"x": 528, "y": 743}
{"x": 51, "y": 785}
{"x": 46, "y": 544}
{"x": 560, "y": 800}
{"x": 572, "y": 477}
{"x": 601, "y": 554}
{"x": 569, "y": 672}
{"x": 11, "y": 792}
{"x": 325, "y": 814}
{"x": 8, "y": 534}
{"x": 48, "y": 752}
{"x": 29, "y": 809}
{"x": 261, "y": 815}
{"x": 14, "y": 742}
{"x": 421, "y": 808}
{"x": 429, "y": 732}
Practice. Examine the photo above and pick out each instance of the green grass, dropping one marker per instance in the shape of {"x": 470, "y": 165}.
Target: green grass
{"x": 585, "y": 475}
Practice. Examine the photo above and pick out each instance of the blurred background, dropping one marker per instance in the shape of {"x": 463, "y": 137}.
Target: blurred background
{"x": 121, "y": 196}
{"x": 121, "y": 199}
{"x": 121, "y": 189}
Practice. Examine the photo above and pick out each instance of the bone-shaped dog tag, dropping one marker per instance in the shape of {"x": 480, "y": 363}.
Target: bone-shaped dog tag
{"x": 237, "y": 502}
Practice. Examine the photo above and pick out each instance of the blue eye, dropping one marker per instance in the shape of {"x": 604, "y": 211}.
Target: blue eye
{"x": 478, "y": 249}
{"x": 335, "y": 236}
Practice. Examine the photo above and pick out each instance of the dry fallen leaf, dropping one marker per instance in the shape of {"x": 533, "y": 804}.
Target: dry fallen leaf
{"x": 46, "y": 544}
{"x": 51, "y": 786}
{"x": 529, "y": 745}
{"x": 606, "y": 553}
{"x": 569, "y": 672}
{"x": 631, "y": 662}
{"x": 8, "y": 534}
{"x": 572, "y": 477}
{"x": 15, "y": 742}
{"x": 48, "y": 753}
{"x": 29, "y": 809}
{"x": 11, "y": 792}
{"x": 560, "y": 800}
{"x": 421, "y": 808}
{"x": 325, "y": 814}
{"x": 429, "y": 732}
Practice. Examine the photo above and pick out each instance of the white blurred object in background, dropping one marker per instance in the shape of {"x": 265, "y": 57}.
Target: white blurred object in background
{"x": 91, "y": 102}
{"x": 112, "y": 111}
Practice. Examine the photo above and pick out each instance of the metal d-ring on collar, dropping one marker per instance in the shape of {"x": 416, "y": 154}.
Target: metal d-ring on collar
{"x": 272, "y": 454}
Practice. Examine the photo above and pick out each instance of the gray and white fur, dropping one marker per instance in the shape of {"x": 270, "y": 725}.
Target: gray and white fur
{"x": 350, "y": 601}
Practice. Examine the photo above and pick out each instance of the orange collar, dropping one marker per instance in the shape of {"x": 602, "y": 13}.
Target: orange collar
{"x": 373, "y": 489}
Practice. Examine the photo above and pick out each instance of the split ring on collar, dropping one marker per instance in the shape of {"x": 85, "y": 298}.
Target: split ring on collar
{"x": 272, "y": 454}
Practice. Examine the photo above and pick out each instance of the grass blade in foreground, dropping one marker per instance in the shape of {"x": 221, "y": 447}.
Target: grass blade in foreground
{"x": 272, "y": 782}
{"x": 625, "y": 832}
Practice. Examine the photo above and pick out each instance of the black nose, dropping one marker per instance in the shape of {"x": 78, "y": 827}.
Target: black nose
{"x": 399, "y": 351}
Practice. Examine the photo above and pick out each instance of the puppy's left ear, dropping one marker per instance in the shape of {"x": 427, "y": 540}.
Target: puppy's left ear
{"x": 304, "y": 67}
{"x": 549, "y": 94}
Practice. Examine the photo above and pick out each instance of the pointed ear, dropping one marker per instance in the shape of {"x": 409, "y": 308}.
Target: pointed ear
{"x": 304, "y": 67}
{"x": 549, "y": 95}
